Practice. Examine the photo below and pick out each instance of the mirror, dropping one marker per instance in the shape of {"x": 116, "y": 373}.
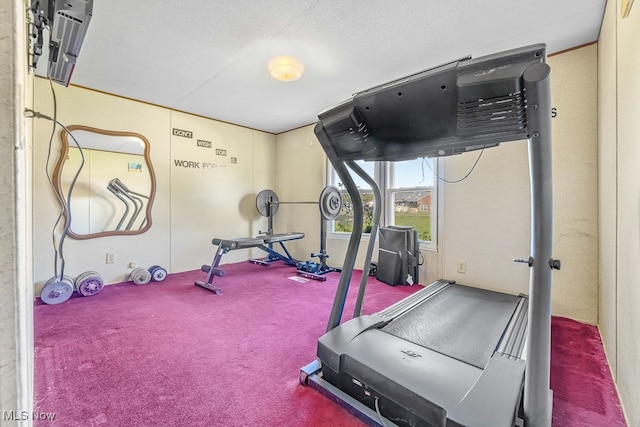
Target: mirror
{"x": 114, "y": 191}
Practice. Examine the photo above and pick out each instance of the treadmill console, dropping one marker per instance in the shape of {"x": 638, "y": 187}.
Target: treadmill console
{"x": 461, "y": 106}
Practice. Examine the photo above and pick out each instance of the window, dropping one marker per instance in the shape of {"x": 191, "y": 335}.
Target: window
{"x": 344, "y": 222}
{"x": 408, "y": 195}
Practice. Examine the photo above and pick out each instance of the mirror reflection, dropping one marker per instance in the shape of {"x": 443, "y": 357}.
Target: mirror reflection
{"x": 113, "y": 192}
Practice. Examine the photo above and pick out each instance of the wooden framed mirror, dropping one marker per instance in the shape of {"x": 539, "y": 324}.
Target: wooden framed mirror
{"x": 113, "y": 192}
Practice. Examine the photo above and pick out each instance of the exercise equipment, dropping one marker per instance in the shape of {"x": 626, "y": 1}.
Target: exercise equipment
{"x": 448, "y": 354}
{"x": 89, "y": 283}
{"x": 225, "y": 245}
{"x": 373, "y": 268}
{"x": 125, "y": 195}
{"x": 398, "y": 256}
{"x": 57, "y": 290}
{"x": 267, "y": 205}
{"x": 330, "y": 204}
{"x": 140, "y": 276}
{"x": 158, "y": 274}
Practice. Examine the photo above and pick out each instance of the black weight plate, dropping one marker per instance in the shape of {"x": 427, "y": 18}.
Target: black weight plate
{"x": 262, "y": 202}
{"x": 330, "y": 202}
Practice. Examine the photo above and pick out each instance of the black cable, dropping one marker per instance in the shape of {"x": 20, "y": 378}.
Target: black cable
{"x": 56, "y": 248}
{"x": 457, "y": 180}
{"x": 67, "y": 223}
{"x": 424, "y": 177}
{"x": 58, "y": 196}
{"x": 67, "y": 203}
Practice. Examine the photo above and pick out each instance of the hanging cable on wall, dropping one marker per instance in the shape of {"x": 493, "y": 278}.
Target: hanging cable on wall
{"x": 60, "y": 287}
{"x": 425, "y": 162}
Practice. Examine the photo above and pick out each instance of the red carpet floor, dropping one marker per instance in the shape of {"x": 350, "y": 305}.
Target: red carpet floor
{"x": 173, "y": 354}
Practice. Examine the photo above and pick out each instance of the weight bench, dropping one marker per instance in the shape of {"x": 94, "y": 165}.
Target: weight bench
{"x": 264, "y": 242}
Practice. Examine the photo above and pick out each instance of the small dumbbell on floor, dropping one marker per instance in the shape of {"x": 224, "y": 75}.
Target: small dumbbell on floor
{"x": 89, "y": 283}
{"x": 158, "y": 274}
{"x": 140, "y": 276}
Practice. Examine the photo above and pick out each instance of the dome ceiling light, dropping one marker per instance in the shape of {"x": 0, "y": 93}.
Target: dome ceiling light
{"x": 285, "y": 68}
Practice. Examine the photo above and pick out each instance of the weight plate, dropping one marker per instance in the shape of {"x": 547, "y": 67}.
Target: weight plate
{"x": 262, "y": 202}
{"x": 80, "y": 278}
{"x": 330, "y": 202}
{"x": 140, "y": 276}
{"x": 158, "y": 274}
{"x": 56, "y": 291}
{"x": 89, "y": 283}
{"x": 83, "y": 276}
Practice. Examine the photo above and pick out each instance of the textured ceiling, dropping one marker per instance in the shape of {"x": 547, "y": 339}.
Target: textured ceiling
{"x": 209, "y": 57}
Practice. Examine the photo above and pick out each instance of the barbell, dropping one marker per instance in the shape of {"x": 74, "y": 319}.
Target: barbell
{"x": 329, "y": 202}
{"x": 57, "y": 290}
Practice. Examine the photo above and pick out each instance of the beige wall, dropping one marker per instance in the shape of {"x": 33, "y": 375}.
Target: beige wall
{"x": 607, "y": 184}
{"x": 574, "y": 93}
{"x": 487, "y": 217}
{"x": 217, "y": 199}
{"x": 486, "y": 221}
{"x": 300, "y": 177}
{"x": 619, "y": 64}
{"x": 214, "y": 198}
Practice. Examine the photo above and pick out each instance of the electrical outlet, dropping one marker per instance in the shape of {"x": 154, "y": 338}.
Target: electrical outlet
{"x": 462, "y": 267}
{"x": 111, "y": 257}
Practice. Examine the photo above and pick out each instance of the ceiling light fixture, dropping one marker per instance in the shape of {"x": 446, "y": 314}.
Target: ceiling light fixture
{"x": 285, "y": 68}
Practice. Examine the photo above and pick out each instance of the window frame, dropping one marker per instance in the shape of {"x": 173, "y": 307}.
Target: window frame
{"x": 383, "y": 176}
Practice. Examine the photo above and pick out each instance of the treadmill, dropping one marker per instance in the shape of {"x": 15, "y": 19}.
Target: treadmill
{"x": 448, "y": 355}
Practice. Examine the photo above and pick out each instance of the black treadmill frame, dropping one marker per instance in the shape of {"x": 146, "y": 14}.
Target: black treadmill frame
{"x": 437, "y": 113}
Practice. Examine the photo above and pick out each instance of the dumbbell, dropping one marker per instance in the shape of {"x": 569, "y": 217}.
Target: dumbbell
{"x": 140, "y": 276}
{"x": 89, "y": 283}
{"x": 158, "y": 274}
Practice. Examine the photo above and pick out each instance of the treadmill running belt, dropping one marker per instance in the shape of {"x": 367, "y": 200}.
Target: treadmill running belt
{"x": 461, "y": 322}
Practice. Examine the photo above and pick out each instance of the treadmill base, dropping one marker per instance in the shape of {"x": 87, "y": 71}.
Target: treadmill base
{"x": 311, "y": 375}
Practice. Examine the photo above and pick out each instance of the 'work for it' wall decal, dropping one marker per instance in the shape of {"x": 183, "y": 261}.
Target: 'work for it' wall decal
{"x": 190, "y": 164}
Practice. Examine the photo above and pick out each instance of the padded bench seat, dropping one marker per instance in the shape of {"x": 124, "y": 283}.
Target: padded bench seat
{"x": 240, "y": 243}
{"x": 264, "y": 242}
